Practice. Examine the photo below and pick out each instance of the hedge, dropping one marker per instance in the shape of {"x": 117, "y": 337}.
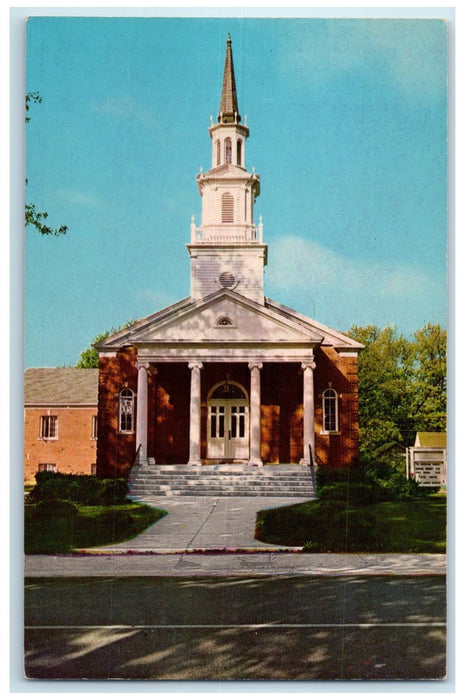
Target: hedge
{"x": 86, "y": 490}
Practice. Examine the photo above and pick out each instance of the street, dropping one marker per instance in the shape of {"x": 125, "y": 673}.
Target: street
{"x": 236, "y": 627}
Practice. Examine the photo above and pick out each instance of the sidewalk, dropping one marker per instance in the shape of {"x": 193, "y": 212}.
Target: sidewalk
{"x": 213, "y": 536}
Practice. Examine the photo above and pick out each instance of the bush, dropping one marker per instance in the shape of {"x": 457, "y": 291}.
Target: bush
{"x": 86, "y": 490}
{"x": 327, "y": 476}
{"x": 352, "y": 494}
{"x": 401, "y": 489}
{"x": 362, "y": 484}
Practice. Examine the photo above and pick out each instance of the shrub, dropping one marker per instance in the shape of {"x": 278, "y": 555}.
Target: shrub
{"x": 362, "y": 484}
{"x": 86, "y": 490}
{"x": 352, "y": 494}
{"x": 112, "y": 491}
{"x": 327, "y": 476}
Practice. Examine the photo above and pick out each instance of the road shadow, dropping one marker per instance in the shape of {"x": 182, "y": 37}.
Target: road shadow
{"x": 270, "y": 628}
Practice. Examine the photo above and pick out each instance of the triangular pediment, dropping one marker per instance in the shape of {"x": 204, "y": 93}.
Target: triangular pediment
{"x": 227, "y": 170}
{"x": 229, "y": 318}
{"x": 224, "y": 317}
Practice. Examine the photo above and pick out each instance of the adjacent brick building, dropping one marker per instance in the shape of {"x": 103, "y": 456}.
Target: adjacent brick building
{"x": 60, "y": 420}
{"x": 227, "y": 374}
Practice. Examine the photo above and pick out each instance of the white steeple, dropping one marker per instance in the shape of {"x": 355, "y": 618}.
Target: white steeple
{"x": 227, "y": 249}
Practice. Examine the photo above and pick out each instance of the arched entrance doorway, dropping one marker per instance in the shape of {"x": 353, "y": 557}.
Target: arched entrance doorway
{"x": 228, "y": 422}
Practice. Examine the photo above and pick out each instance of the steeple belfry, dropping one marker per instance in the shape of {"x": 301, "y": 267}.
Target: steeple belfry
{"x": 227, "y": 249}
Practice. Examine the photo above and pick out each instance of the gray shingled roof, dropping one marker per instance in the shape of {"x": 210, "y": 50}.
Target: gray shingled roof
{"x": 60, "y": 385}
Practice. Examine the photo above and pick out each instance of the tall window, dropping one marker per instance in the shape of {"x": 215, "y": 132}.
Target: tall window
{"x": 228, "y": 150}
{"x": 49, "y": 427}
{"x": 94, "y": 427}
{"x": 218, "y": 152}
{"x": 227, "y": 208}
{"x": 126, "y": 411}
{"x": 239, "y": 153}
{"x": 330, "y": 412}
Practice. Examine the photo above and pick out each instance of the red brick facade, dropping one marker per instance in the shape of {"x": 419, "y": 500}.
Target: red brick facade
{"x": 281, "y": 409}
{"x": 72, "y": 451}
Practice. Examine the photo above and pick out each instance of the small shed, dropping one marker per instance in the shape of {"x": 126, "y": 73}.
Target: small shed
{"x": 427, "y": 459}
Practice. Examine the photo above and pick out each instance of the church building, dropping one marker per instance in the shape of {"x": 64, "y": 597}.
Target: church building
{"x": 227, "y": 375}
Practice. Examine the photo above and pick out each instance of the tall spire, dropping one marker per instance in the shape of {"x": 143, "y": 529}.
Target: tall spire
{"x": 229, "y": 110}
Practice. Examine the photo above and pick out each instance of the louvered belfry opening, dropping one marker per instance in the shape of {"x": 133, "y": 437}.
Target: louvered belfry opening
{"x": 227, "y": 208}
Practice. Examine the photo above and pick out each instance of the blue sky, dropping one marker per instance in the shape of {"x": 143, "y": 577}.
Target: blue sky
{"x": 348, "y": 131}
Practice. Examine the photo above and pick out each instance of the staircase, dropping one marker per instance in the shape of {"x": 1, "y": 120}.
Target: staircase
{"x": 280, "y": 480}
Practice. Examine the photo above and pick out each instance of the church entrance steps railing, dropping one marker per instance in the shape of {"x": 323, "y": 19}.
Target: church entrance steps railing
{"x": 282, "y": 480}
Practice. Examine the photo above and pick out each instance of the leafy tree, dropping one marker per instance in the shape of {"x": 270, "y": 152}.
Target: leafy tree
{"x": 402, "y": 389}
{"x": 429, "y": 403}
{"x": 37, "y": 219}
{"x": 89, "y": 356}
{"x": 32, "y": 216}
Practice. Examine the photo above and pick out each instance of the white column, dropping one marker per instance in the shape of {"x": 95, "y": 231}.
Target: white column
{"x": 309, "y": 415}
{"x": 195, "y": 408}
{"x": 142, "y": 410}
{"x": 255, "y": 428}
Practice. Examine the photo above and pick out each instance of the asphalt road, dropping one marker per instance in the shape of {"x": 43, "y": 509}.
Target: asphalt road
{"x": 249, "y": 628}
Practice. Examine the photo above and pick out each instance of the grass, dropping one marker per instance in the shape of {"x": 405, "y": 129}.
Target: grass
{"x": 79, "y": 526}
{"x": 410, "y": 526}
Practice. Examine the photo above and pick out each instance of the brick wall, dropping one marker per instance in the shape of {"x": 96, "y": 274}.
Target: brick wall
{"x": 115, "y": 450}
{"x": 74, "y": 451}
{"x": 341, "y": 372}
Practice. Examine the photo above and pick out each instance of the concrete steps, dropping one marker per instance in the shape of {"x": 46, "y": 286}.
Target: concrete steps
{"x": 292, "y": 481}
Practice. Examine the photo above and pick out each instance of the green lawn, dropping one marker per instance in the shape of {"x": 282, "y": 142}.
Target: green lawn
{"x": 410, "y": 526}
{"x": 78, "y": 526}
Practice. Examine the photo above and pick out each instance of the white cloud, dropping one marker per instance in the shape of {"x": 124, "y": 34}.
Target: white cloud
{"x": 339, "y": 291}
{"x": 296, "y": 263}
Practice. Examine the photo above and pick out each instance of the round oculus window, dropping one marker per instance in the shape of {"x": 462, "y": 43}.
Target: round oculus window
{"x": 227, "y": 280}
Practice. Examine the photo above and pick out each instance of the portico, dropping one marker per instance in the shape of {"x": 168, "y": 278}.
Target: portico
{"x": 233, "y": 417}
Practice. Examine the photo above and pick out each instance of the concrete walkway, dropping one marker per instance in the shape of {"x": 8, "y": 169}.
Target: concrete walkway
{"x": 198, "y": 523}
{"x": 213, "y": 536}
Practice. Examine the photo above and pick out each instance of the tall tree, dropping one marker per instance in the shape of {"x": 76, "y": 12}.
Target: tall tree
{"x": 429, "y": 401}
{"x": 402, "y": 385}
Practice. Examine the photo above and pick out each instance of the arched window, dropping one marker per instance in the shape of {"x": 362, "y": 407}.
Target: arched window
{"x": 239, "y": 152}
{"x": 330, "y": 412}
{"x": 227, "y": 150}
{"x": 126, "y": 411}
{"x": 224, "y": 321}
{"x": 218, "y": 152}
{"x": 227, "y": 208}
{"x": 228, "y": 390}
